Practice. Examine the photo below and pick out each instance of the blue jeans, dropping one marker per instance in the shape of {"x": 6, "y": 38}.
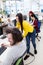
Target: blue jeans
{"x": 32, "y": 36}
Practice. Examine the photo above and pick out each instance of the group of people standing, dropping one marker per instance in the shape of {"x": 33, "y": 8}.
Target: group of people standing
{"x": 28, "y": 30}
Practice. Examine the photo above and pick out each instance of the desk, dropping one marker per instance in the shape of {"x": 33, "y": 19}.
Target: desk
{"x": 1, "y": 27}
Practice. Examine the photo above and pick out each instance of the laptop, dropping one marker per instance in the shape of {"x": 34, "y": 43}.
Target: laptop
{"x": 2, "y": 49}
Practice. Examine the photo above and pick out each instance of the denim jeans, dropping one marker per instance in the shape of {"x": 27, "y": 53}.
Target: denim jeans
{"x": 32, "y": 36}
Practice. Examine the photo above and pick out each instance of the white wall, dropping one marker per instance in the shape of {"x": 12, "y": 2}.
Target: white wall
{"x": 1, "y": 5}
{"x": 27, "y": 6}
{"x": 31, "y": 5}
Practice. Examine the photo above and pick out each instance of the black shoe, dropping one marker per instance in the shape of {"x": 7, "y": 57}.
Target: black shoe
{"x": 27, "y": 56}
{"x": 35, "y": 51}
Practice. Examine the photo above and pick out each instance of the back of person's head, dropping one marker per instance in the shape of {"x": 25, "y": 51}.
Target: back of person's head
{"x": 25, "y": 17}
{"x": 16, "y": 34}
{"x": 8, "y": 15}
{"x": 1, "y": 16}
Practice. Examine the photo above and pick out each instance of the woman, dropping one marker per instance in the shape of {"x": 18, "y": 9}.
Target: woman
{"x": 27, "y": 31}
{"x": 15, "y": 49}
{"x": 35, "y": 22}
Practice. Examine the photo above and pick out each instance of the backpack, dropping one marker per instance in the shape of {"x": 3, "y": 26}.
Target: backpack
{"x": 39, "y": 24}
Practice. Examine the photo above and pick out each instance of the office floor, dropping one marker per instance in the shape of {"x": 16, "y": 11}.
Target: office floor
{"x": 39, "y": 57}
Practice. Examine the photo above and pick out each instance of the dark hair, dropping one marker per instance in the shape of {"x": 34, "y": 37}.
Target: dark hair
{"x": 33, "y": 15}
{"x": 8, "y": 15}
{"x": 16, "y": 34}
{"x": 30, "y": 12}
{"x": 1, "y": 16}
{"x": 20, "y": 16}
{"x": 25, "y": 17}
{"x": 14, "y": 21}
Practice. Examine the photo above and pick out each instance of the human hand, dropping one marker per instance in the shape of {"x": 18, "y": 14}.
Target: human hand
{"x": 3, "y": 45}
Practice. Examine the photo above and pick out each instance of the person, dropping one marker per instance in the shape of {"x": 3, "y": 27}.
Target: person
{"x": 10, "y": 23}
{"x": 25, "y": 17}
{"x": 35, "y": 22}
{"x": 15, "y": 48}
{"x": 28, "y": 31}
{"x": 32, "y": 13}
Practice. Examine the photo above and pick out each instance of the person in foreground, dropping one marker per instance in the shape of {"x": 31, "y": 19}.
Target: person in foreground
{"x": 15, "y": 49}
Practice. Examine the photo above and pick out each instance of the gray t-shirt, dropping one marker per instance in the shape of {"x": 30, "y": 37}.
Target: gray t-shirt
{"x": 11, "y": 54}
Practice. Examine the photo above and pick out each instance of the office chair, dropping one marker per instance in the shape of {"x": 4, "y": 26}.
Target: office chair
{"x": 37, "y": 36}
{"x": 37, "y": 33}
{"x": 19, "y": 61}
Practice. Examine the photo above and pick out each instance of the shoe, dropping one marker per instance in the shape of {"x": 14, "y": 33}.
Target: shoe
{"x": 35, "y": 51}
{"x": 27, "y": 56}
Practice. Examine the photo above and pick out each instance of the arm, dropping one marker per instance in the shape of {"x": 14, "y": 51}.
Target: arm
{"x": 34, "y": 26}
{"x": 18, "y": 25}
{"x": 6, "y": 58}
{"x": 27, "y": 27}
{"x": 5, "y": 45}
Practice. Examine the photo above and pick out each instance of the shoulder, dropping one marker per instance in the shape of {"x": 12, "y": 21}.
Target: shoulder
{"x": 25, "y": 22}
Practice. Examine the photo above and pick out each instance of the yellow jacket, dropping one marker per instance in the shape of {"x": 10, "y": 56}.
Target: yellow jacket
{"x": 26, "y": 27}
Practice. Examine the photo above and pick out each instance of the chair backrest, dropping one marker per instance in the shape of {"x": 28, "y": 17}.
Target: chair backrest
{"x": 19, "y": 62}
{"x": 39, "y": 24}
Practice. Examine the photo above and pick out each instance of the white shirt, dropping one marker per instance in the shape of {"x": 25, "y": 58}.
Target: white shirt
{"x": 11, "y": 54}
